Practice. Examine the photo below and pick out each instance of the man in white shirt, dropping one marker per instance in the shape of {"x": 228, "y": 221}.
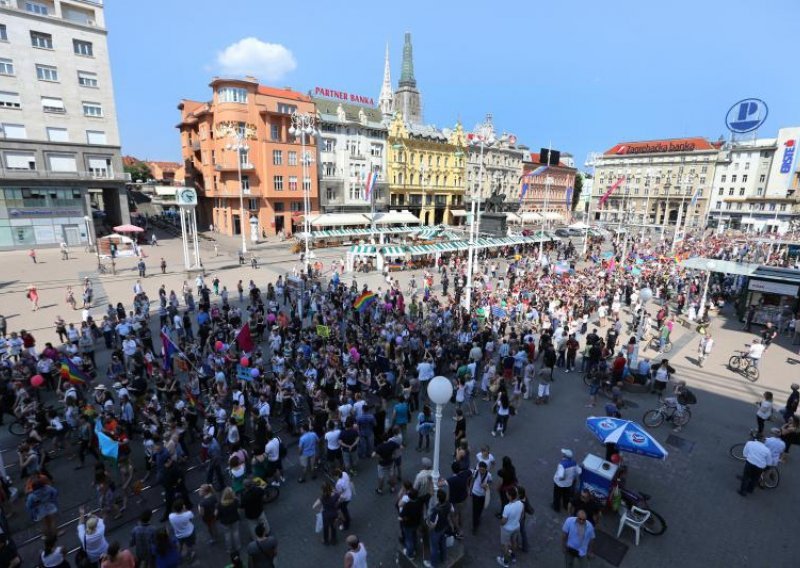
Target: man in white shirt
{"x": 480, "y": 487}
{"x": 755, "y": 352}
{"x": 510, "y": 526}
{"x": 425, "y": 371}
{"x": 567, "y": 472}
{"x": 776, "y": 446}
{"x": 758, "y": 457}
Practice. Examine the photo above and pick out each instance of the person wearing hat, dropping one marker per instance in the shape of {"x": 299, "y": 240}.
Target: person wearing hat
{"x": 564, "y": 479}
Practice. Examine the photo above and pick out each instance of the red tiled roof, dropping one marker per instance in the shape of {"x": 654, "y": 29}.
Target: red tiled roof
{"x": 660, "y": 146}
{"x": 166, "y": 165}
{"x": 283, "y": 93}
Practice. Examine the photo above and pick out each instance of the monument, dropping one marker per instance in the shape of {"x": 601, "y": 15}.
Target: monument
{"x": 493, "y": 220}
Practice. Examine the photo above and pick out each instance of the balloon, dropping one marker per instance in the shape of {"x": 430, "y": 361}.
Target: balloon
{"x": 219, "y": 345}
{"x": 37, "y": 381}
{"x": 245, "y": 362}
{"x": 254, "y": 373}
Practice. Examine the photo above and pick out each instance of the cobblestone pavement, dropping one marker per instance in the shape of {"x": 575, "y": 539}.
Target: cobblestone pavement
{"x": 694, "y": 489}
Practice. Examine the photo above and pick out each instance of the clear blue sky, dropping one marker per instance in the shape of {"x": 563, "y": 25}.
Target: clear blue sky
{"x": 583, "y": 75}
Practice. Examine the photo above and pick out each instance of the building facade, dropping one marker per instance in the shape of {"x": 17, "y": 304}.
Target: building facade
{"x": 245, "y": 130}
{"x": 657, "y": 183}
{"x": 352, "y": 145}
{"x": 426, "y": 169}
{"x": 61, "y": 167}
{"x": 502, "y": 164}
{"x": 546, "y": 190}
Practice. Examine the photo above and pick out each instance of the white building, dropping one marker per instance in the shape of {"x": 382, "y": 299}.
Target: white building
{"x": 59, "y": 142}
{"x": 752, "y": 187}
{"x": 352, "y": 145}
{"x": 502, "y": 164}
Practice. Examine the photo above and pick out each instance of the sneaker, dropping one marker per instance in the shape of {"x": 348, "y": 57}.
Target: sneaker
{"x": 275, "y": 484}
{"x": 427, "y": 564}
{"x": 494, "y": 434}
{"x": 502, "y": 434}
{"x": 501, "y": 561}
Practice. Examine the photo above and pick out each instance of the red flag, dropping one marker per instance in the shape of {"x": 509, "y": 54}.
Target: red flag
{"x": 611, "y": 189}
{"x": 244, "y": 340}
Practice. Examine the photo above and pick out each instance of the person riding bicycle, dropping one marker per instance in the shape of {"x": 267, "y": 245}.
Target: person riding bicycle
{"x": 677, "y": 400}
{"x": 755, "y": 352}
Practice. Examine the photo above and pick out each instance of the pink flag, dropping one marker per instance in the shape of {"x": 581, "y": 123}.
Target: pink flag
{"x": 611, "y": 189}
{"x": 244, "y": 339}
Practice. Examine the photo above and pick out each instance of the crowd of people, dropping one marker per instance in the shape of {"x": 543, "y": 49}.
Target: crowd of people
{"x": 337, "y": 375}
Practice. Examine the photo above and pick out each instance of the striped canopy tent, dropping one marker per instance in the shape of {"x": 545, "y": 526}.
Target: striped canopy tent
{"x": 339, "y": 219}
{"x": 427, "y": 233}
{"x": 363, "y": 250}
{"x": 345, "y": 233}
{"x": 393, "y": 251}
{"x": 552, "y": 216}
{"x": 496, "y": 242}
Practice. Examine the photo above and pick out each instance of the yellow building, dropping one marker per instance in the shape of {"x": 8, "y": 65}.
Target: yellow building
{"x": 426, "y": 170}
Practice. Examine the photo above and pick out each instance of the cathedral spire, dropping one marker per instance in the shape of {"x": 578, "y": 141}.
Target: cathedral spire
{"x": 386, "y": 97}
{"x": 407, "y": 73}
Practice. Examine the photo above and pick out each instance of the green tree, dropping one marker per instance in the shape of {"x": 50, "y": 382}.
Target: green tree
{"x": 576, "y": 191}
{"x": 139, "y": 171}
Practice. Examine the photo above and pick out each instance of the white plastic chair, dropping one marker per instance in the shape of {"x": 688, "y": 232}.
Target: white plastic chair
{"x": 634, "y": 518}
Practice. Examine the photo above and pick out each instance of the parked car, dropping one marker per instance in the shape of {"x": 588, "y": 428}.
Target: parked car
{"x": 563, "y": 232}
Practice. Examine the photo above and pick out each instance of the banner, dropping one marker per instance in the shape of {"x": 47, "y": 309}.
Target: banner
{"x": 323, "y": 331}
{"x": 611, "y": 190}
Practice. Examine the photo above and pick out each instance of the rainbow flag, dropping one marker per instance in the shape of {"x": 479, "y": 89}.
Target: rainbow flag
{"x": 71, "y": 373}
{"x": 364, "y": 301}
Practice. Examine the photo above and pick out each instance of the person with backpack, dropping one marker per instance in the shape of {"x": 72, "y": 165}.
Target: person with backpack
{"x": 438, "y": 523}
{"x": 480, "y": 490}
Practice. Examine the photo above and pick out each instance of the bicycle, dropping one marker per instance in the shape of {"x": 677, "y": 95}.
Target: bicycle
{"x": 744, "y": 365}
{"x": 770, "y": 477}
{"x": 655, "y": 345}
{"x": 669, "y": 413}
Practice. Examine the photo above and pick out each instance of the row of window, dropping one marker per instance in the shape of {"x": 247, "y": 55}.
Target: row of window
{"x": 399, "y": 199}
{"x": 428, "y": 181}
{"x": 42, "y": 40}
{"x": 413, "y": 158}
{"x": 252, "y": 205}
{"x": 9, "y": 99}
{"x": 239, "y": 95}
{"x": 49, "y": 73}
{"x": 753, "y": 206}
{"x": 54, "y": 134}
{"x": 57, "y": 162}
{"x": 721, "y": 191}
{"x": 724, "y": 177}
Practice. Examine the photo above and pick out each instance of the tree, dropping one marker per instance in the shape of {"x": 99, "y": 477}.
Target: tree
{"x": 139, "y": 171}
{"x": 576, "y": 191}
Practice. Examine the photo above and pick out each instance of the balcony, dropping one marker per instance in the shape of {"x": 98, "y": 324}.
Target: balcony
{"x": 233, "y": 167}
{"x": 12, "y": 173}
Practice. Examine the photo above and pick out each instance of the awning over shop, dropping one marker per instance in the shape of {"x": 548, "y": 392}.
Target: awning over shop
{"x": 336, "y": 219}
{"x": 552, "y": 216}
{"x": 363, "y": 250}
{"x": 393, "y": 217}
{"x": 458, "y": 212}
{"x": 723, "y": 266}
{"x": 393, "y": 251}
{"x": 363, "y": 233}
{"x": 529, "y": 216}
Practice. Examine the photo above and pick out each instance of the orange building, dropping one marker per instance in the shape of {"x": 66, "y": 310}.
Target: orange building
{"x": 245, "y": 129}
{"x": 549, "y": 193}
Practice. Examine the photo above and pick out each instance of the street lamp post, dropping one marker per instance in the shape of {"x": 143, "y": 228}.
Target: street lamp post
{"x": 701, "y": 309}
{"x": 303, "y": 125}
{"x": 483, "y": 137}
{"x": 440, "y": 389}
{"x": 239, "y": 145}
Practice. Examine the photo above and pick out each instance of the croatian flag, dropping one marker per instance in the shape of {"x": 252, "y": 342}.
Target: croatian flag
{"x": 168, "y": 349}
{"x": 372, "y": 180}
{"x": 569, "y": 197}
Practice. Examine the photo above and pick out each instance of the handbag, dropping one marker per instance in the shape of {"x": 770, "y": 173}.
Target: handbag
{"x": 318, "y": 523}
{"x": 81, "y": 557}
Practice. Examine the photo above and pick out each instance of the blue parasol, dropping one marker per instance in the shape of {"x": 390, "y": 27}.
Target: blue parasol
{"x": 627, "y": 435}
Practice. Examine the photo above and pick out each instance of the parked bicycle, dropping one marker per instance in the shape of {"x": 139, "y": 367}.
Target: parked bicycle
{"x": 655, "y": 345}
{"x": 629, "y": 498}
{"x": 744, "y": 365}
{"x": 770, "y": 477}
{"x": 668, "y": 412}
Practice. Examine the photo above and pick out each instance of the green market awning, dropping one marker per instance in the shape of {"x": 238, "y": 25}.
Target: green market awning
{"x": 393, "y": 251}
{"x": 363, "y": 250}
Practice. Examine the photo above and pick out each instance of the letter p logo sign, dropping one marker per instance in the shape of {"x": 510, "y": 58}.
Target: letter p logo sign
{"x": 746, "y": 115}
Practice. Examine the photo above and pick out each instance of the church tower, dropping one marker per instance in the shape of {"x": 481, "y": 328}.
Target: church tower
{"x": 386, "y": 97}
{"x": 407, "y": 99}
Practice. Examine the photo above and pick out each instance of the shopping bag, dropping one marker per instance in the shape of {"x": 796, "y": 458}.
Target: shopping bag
{"x": 318, "y": 524}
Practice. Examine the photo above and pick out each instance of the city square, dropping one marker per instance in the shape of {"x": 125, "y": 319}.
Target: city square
{"x": 329, "y": 332}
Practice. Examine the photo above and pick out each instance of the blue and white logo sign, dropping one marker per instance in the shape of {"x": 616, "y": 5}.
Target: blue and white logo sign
{"x": 746, "y": 115}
